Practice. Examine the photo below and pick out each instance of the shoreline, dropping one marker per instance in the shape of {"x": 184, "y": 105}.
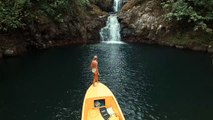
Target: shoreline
{"x": 196, "y": 48}
{"x": 21, "y": 49}
{"x": 17, "y": 50}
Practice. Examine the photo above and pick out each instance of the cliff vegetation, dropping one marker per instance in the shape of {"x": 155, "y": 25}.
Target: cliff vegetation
{"x": 179, "y": 23}
{"x": 46, "y": 23}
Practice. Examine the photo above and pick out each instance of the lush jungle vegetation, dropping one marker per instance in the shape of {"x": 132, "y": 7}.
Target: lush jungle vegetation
{"x": 18, "y": 14}
{"x": 199, "y": 13}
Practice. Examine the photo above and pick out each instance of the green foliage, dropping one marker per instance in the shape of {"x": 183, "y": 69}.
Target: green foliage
{"x": 12, "y": 14}
{"x": 198, "y": 12}
{"x": 83, "y": 3}
{"x": 54, "y": 9}
{"x": 16, "y": 14}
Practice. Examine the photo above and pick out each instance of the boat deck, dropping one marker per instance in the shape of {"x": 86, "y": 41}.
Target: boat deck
{"x": 100, "y": 104}
{"x": 94, "y": 114}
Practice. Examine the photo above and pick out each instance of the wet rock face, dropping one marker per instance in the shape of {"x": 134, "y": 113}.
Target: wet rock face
{"x": 105, "y": 5}
{"x": 124, "y": 1}
{"x": 199, "y": 48}
{"x": 12, "y": 44}
{"x": 9, "y": 52}
{"x": 1, "y": 55}
{"x": 210, "y": 50}
{"x": 93, "y": 28}
{"x": 83, "y": 28}
{"x": 15, "y": 50}
{"x": 145, "y": 20}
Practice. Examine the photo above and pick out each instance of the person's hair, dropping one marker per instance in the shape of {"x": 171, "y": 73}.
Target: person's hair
{"x": 95, "y": 57}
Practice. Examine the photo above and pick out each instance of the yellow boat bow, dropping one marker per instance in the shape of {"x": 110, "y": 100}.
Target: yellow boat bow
{"x": 100, "y": 104}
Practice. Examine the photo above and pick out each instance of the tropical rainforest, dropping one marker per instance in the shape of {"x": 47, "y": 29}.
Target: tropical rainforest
{"x": 44, "y": 23}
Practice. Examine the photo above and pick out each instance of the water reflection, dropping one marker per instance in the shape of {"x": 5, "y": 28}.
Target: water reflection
{"x": 149, "y": 82}
{"x": 129, "y": 82}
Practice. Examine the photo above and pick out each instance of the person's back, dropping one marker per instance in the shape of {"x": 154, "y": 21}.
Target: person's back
{"x": 94, "y": 68}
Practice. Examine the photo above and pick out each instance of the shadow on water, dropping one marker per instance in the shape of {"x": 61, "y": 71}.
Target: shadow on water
{"x": 149, "y": 82}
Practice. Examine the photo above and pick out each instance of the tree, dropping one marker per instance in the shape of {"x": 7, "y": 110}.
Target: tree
{"x": 198, "y": 12}
{"x": 17, "y": 14}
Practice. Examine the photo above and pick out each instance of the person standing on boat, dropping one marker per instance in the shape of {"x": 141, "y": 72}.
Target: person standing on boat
{"x": 94, "y": 68}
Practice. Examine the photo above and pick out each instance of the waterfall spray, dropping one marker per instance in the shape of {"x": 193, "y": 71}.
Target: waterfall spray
{"x": 111, "y": 32}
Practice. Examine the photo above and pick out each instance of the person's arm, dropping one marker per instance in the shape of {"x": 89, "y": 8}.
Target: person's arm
{"x": 91, "y": 66}
{"x": 97, "y": 67}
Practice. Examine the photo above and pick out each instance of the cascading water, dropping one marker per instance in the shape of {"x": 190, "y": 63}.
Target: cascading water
{"x": 117, "y": 5}
{"x": 111, "y": 32}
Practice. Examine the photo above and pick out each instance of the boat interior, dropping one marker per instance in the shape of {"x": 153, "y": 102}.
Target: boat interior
{"x": 102, "y": 109}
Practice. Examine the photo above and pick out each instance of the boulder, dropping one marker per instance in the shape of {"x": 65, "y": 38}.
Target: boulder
{"x": 144, "y": 19}
{"x": 179, "y": 46}
{"x": 15, "y": 50}
{"x": 124, "y": 2}
{"x": 105, "y": 5}
{"x": 199, "y": 48}
{"x": 9, "y": 52}
{"x": 210, "y": 50}
{"x": 1, "y": 55}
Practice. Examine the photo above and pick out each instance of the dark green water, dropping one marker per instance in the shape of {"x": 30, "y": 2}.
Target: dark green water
{"x": 149, "y": 82}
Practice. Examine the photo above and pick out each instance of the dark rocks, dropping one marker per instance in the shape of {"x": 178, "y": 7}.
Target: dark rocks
{"x": 1, "y": 54}
{"x": 166, "y": 43}
{"x": 179, "y": 46}
{"x": 127, "y": 32}
{"x": 84, "y": 26}
{"x": 79, "y": 26}
{"x": 146, "y": 19}
{"x": 9, "y": 52}
{"x": 93, "y": 27}
{"x": 15, "y": 50}
{"x": 210, "y": 50}
{"x": 105, "y": 5}
{"x": 124, "y": 2}
{"x": 199, "y": 48}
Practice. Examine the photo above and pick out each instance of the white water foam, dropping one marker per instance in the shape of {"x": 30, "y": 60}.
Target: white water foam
{"x": 111, "y": 32}
{"x": 113, "y": 42}
{"x": 117, "y": 5}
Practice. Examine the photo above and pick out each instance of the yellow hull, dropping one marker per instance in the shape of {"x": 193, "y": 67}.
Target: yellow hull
{"x": 100, "y": 104}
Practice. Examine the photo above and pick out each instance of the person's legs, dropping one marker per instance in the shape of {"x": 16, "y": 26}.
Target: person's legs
{"x": 95, "y": 78}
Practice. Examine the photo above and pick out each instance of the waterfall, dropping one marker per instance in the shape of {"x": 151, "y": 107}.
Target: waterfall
{"x": 117, "y": 5}
{"x": 111, "y": 32}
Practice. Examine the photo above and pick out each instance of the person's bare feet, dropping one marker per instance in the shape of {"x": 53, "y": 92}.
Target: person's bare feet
{"x": 94, "y": 84}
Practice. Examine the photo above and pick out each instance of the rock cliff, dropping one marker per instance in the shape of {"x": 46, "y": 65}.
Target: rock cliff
{"x": 79, "y": 26}
{"x": 145, "y": 21}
